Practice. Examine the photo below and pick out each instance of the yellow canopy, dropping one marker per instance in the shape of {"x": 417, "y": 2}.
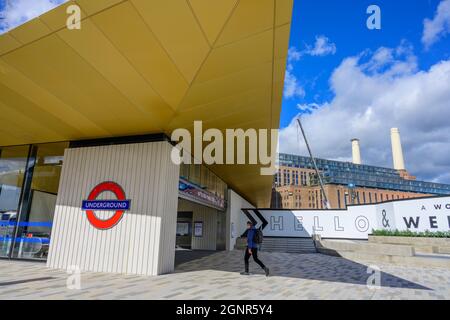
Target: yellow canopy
{"x": 147, "y": 66}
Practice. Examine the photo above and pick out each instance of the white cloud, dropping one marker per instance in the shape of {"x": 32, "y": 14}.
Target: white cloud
{"x": 390, "y": 62}
{"x": 18, "y": 12}
{"x": 292, "y": 88}
{"x": 322, "y": 47}
{"x": 373, "y": 96}
{"x": 294, "y": 54}
{"x": 439, "y": 26}
{"x": 381, "y": 58}
{"x": 308, "y": 107}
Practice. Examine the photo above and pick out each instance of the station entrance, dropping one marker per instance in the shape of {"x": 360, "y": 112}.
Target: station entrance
{"x": 199, "y": 227}
{"x": 200, "y": 231}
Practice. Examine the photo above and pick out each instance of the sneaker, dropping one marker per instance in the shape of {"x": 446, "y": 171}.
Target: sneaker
{"x": 245, "y": 273}
{"x": 267, "y": 271}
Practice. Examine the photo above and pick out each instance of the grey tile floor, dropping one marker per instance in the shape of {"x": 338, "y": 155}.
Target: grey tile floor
{"x": 216, "y": 276}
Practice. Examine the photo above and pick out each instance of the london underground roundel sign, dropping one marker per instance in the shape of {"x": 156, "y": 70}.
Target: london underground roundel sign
{"x": 119, "y": 206}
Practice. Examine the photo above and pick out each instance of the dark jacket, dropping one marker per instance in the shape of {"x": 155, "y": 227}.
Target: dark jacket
{"x": 250, "y": 234}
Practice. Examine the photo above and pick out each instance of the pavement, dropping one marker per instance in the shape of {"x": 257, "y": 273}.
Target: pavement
{"x": 215, "y": 275}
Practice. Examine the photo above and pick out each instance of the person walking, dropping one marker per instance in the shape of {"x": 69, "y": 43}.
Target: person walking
{"x": 252, "y": 249}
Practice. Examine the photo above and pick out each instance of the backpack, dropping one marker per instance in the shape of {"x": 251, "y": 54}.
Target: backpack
{"x": 258, "y": 236}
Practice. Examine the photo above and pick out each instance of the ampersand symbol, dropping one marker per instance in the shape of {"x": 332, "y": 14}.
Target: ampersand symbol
{"x": 385, "y": 221}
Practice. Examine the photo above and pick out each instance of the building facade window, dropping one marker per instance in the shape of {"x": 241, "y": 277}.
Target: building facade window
{"x": 13, "y": 164}
{"x": 321, "y": 200}
{"x": 29, "y": 180}
{"x": 203, "y": 178}
{"x": 277, "y": 178}
{"x": 339, "y": 198}
{"x": 317, "y": 200}
{"x": 303, "y": 178}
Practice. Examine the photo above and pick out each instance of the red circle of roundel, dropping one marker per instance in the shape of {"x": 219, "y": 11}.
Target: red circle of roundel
{"x": 111, "y": 222}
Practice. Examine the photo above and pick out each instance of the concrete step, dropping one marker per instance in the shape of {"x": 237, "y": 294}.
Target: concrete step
{"x": 420, "y": 245}
{"x": 443, "y": 250}
{"x": 306, "y": 248}
{"x": 368, "y": 248}
{"x": 288, "y": 245}
{"x": 419, "y": 260}
{"x": 370, "y": 252}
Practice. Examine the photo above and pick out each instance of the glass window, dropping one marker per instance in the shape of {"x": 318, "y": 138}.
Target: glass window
{"x": 202, "y": 177}
{"x": 13, "y": 161}
{"x": 339, "y": 198}
{"x": 184, "y": 171}
{"x": 195, "y": 174}
{"x": 39, "y": 201}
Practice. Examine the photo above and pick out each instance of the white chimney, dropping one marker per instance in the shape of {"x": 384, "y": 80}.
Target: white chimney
{"x": 356, "y": 153}
{"x": 397, "y": 153}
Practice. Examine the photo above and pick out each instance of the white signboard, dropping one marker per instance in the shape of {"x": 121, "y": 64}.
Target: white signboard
{"x": 432, "y": 214}
{"x": 331, "y": 223}
{"x": 182, "y": 228}
{"x": 357, "y": 222}
{"x": 198, "y": 229}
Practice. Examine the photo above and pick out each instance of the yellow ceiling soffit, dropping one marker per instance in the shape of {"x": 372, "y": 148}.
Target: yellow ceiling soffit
{"x": 147, "y": 66}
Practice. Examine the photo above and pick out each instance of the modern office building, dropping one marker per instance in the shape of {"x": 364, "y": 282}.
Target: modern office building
{"x": 296, "y": 185}
{"x": 86, "y": 176}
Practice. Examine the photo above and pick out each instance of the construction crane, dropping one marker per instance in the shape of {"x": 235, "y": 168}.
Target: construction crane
{"x": 325, "y": 199}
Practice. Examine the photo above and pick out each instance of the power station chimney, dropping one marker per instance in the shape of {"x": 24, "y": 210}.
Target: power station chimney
{"x": 356, "y": 153}
{"x": 397, "y": 153}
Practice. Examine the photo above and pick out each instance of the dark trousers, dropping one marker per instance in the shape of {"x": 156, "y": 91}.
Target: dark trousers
{"x": 255, "y": 258}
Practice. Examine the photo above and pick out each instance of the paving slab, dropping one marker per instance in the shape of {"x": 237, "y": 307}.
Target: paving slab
{"x": 217, "y": 276}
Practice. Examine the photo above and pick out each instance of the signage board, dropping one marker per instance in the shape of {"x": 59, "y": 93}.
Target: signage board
{"x": 356, "y": 222}
{"x": 118, "y": 206}
{"x": 198, "y": 229}
{"x": 190, "y": 191}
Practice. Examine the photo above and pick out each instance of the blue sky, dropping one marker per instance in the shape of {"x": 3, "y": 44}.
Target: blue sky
{"x": 20, "y": 11}
{"x": 347, "y": 81}
{"x": 344, "y": 24}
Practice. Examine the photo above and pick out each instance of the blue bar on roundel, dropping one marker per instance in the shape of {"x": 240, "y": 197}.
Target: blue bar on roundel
{"x": 111, "y": 205}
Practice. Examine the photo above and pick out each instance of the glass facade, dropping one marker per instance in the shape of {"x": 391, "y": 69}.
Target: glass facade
{"x": 347, "y": 173}
{"x": 29, "y": 179}
{"x": 13, "y": 164}
{"x": 203, "y": 178}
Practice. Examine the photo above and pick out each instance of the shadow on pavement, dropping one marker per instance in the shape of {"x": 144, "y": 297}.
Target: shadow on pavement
{"x": 303, "y": 266}
{"x": 10, "y": 283}
{"x": 184, "y": 256}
